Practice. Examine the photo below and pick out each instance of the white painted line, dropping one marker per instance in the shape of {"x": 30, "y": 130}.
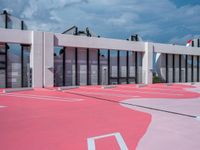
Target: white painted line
{"x": 158, "y": 93}
{"x": 3, "y": 106}
{"x": 42, "y": 98}
{"x": 110, "y": 94}
{"x": 137, "y": 90}
{"x": 16, "y": 90}
{"x": 67, "y": 88}
{"x": 173, "y": 90}
{"x": 120, "y": 141}
{"x": 108, "y": 86}
{"x": 198, "y": 118}
{"x": 141, "y": 85}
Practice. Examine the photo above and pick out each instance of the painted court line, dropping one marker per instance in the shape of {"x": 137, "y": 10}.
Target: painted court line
{"x": 135, "y": 90}
{"x": 42, "y": 98}
{"x": 109, "y": 95}
{"x": 198, "y": 118}
{"x": 146, "y": 92}
{"x": 155, "y": 89}
{"x": 117, "y": 135}
{"x": 3, "y": 106}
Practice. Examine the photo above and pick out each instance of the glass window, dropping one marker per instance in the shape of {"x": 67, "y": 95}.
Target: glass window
{"x": 2, "y": 58}
{"x": 2, "y": 48}
{"x": 2, "y": 79}
{"x": 27, "y": 75}
{"x": 131, "y": 64}
{"x": 170, "y": 68}
{"x": 14, "y": 65}
{"x": 93, "y": 72}
{"x": 2, "y": 21}
{"x": 177, "y": 68}
{"x": 13, "y": 22}
{"x": 103, "y": 66}
{"x": 123, "y": 63}
{"x": 113, "y": 63}
{"x": 189, "y": 72}
{"x": 82, "y": 66}
{"x": 139, "y": 59}
{"x": 58, "y": 66}
{"x": 195, "y": 69}
{"x": 2, "y": 64}
{"x": 70, "y": 76}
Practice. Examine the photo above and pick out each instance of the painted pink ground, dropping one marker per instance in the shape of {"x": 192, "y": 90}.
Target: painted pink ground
{"x": 47, "y": 120}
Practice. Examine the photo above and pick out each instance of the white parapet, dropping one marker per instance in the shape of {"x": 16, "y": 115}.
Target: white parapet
{"x": 97, "y": 43}
{"x": 16, "y": 90}
{"x": 15, "y": 36}
{"x": 42, "y": 51}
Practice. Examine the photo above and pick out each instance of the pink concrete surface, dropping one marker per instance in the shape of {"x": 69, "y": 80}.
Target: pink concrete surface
{"x": 48, "y": 119}
{"x": 39, "y": 123}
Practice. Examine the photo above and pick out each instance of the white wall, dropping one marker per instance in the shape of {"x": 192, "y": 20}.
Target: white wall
{"x": 37, "y": 59}
{"x": 48, "y": 59}
{"x": 15, "y": 36}
{"x": 96, "y": 43}
{"x": 42, "y": 45}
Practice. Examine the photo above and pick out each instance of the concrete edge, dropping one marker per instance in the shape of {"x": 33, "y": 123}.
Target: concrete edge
{"x": 3, "y": 106}
{"x": 141, "y": 85}
{"x": 187, "y": 83}
{"x": 16, "y": 90}
{"x": 108, "y": 86}
{"x": 197, "y": 118}
{"x": 67, "y": 88}
{"x": 168, "y": 84}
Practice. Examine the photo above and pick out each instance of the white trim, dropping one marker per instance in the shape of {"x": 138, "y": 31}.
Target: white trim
{"x": 96, "y": 43}
{"x": 198, "y": 118}
{"x": 39, "y": 97}
{"x": 117, "y": 135}
{"x": 3, "y": 106}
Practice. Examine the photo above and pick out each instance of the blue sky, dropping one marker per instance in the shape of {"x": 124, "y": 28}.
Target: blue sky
{"x": 165, "y": 21}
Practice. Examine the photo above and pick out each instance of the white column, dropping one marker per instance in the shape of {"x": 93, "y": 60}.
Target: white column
{"x": 48, "y": 59}
{"x": 147, "y": 64}
{"x": 36, "y": 59}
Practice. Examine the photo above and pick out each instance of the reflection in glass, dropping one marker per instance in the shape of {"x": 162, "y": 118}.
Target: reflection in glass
{"x": 58, "y": 66}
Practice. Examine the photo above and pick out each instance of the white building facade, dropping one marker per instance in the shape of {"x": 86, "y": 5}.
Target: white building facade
{"x": 43, "y": 59}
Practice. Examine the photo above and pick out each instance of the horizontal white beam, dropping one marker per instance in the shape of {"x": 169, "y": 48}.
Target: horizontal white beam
{"x": 175, "y": 49}
{"x": 15, "y": 36}
{"x": 96, "y": 43}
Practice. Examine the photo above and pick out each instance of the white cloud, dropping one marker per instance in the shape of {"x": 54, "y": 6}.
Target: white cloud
{"x": 154, "y": 20}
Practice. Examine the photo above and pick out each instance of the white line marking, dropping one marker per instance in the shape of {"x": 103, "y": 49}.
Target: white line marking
{"x": 3, "y": 106}
{"x": 110, "y": 94}
{"x": 145, "y": 92}
{"x": 198, "y": 118}
{"x": 136, "y": 90}
{"x": 43, "y": 96}
{"x": 172, "y": 90}
{"x": 48, "y": 98}
{"x": 120, "y": 140}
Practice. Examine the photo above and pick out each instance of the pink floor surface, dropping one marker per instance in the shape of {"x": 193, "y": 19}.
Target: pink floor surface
{"x": 45, "y": 119}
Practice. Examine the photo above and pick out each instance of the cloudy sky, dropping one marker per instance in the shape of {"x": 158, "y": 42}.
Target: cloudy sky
{"x": 167, "y": 21}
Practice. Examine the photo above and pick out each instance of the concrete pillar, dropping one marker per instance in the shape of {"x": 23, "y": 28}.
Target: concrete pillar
{"x": 147, "y": 64}
{"x": 36, "y": 59}
{"x": 48, "y": 60}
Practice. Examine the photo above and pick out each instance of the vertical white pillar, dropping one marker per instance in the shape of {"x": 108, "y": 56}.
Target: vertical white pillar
{"x": 147, "y": 64}
{"x": 37, "y": 59}
{"x": 48, "y": 59}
